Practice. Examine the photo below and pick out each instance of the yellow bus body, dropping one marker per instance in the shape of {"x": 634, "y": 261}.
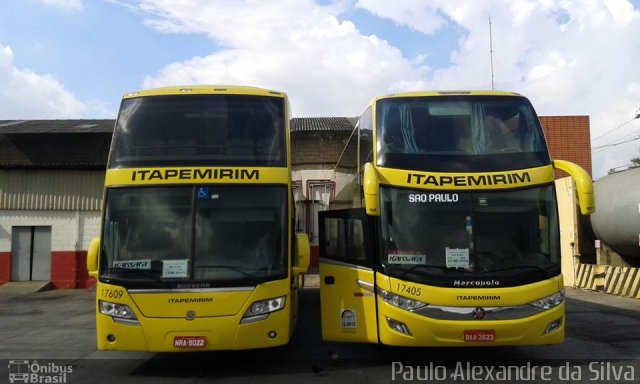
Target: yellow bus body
{"x": 215, "y": 314}
{"x": 355, "y": 288}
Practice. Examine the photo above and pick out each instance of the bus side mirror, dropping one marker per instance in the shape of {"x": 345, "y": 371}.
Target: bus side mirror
{"x": 92, "y": 257}
{"x": 303, "y": 254}
{"x": 371, "y": 190}
{"x": 584, "y": 185}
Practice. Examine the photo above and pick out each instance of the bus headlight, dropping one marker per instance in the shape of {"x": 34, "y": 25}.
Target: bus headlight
{"x": 260, "y": 310}
{"x": 120, "y": 311}
{"x": 400, "y": 301}
{"x": 549, "y": 301}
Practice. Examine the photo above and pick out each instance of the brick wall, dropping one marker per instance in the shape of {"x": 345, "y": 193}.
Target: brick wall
{"x": 569, "y": 139}
{"x": 319, "y": 147}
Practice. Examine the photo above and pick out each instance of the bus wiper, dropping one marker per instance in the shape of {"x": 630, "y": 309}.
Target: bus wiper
{"x": 236, "y": 268}
{"x": 514, "y": 267}
{"x": 420, "y": 266}
{"x": 143, "y": 273}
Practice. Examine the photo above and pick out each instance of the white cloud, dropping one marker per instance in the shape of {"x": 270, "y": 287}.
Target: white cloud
{"x": 568, "y": 57}
{"x": 27, "y": 95}
{"x": 67, "y": 5}
{"x": 418, "y": 15}
{"x": 326, "y": 66}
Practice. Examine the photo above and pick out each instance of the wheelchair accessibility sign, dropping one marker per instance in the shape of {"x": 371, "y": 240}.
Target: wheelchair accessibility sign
{"x": 203, "y": 193}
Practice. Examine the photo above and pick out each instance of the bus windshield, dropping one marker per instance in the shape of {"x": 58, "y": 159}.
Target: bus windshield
{"x": 437, "y": 237}
{"x": 181, "y": 130}
{"x": 204, "y": 234}
{"x": 501, "y": 130}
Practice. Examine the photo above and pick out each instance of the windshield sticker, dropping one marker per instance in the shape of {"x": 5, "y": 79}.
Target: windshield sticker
{"x": 175, "y": 268}
{"x": 457, "y": 257}
{"x": 348, "y": 320}
{"x": 132, "y": 264}
{"x": 433, "y": 198}
{"x": 406, "y": 257}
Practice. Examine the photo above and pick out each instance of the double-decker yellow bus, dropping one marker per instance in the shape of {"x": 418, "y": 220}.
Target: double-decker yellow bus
{"x": 197, "y": 248}
{"x": 453, "y": 234}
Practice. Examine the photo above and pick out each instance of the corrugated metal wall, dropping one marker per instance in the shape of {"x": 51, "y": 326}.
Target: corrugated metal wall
{"x": 51, "y": 190}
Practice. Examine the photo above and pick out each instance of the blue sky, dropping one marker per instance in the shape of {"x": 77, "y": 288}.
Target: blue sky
{"x": 98, "y": 53}
{"x": 75, "y": 58}
{"x": 437, "y": 47}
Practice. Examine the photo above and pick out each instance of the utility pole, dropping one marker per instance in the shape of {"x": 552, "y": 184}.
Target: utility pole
{"x": 491, "y": 52}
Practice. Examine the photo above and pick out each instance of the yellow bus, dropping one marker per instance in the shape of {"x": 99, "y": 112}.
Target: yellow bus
{"x": 197, "y": 248}
{"x": 452, "y": 238}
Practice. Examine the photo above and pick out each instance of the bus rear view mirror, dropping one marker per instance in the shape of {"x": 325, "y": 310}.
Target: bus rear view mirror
{"x": 92, "y": 257}
{"x": 303, "y": 254}
{"x": 584, "y": 185}
{"x": 371, "y": 190}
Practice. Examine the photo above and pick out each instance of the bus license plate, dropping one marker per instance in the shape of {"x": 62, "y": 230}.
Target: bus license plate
{"x": 189, "y": 341}
{"x": 480, "y": 336}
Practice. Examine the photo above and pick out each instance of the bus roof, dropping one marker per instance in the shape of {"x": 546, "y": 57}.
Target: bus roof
{"x": 448, "y": 93}
{"x": 205, "y": 90}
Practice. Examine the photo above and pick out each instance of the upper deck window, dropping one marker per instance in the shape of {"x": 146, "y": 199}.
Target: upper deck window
{"x": 445, "y": 132}
{"x": 200, "y": 130}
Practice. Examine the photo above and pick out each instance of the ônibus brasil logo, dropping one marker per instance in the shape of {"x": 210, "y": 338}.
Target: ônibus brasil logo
{"x": 25, "y": 371}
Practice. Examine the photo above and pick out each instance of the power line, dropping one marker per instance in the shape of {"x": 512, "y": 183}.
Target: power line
{"x": 628, "y": 135}
{"x": 637, "y": 116}
{"x": 619, "y": 140}
{"x": 603, "y": 147}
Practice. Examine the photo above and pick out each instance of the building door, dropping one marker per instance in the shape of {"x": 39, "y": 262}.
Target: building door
{"x": 30, "y": 253}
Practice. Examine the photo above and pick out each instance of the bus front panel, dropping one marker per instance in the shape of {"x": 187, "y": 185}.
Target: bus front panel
{"x": 411, "y": 314}
{"x": 193, "y": 320}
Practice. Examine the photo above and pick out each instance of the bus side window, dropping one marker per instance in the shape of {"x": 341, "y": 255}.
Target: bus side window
{"x": 365, "y": 142}
{"x": 365, "y": 138}
{"x": 355, "y": 240}
{"x": 334, "y": 241}
{"x": 344, "y": 239}
{"x": 392, "y": 132}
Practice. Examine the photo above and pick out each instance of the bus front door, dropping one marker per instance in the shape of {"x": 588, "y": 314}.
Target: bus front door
{"x": 347, "y": 277}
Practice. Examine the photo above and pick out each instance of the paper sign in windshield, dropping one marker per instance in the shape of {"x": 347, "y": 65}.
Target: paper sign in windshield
{"x": 132, "y": 264}
{"x": 406, "y": 257}
{"x": 457, "y": 257}
{"x": 175, "y": 268}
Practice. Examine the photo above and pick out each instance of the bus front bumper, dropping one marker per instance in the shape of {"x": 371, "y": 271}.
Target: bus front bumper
{"x": 201, "y": 334}
{"x": 399, "y": 327}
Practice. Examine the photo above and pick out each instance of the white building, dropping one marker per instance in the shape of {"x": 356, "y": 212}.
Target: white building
{"x": 51, "y": 181}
